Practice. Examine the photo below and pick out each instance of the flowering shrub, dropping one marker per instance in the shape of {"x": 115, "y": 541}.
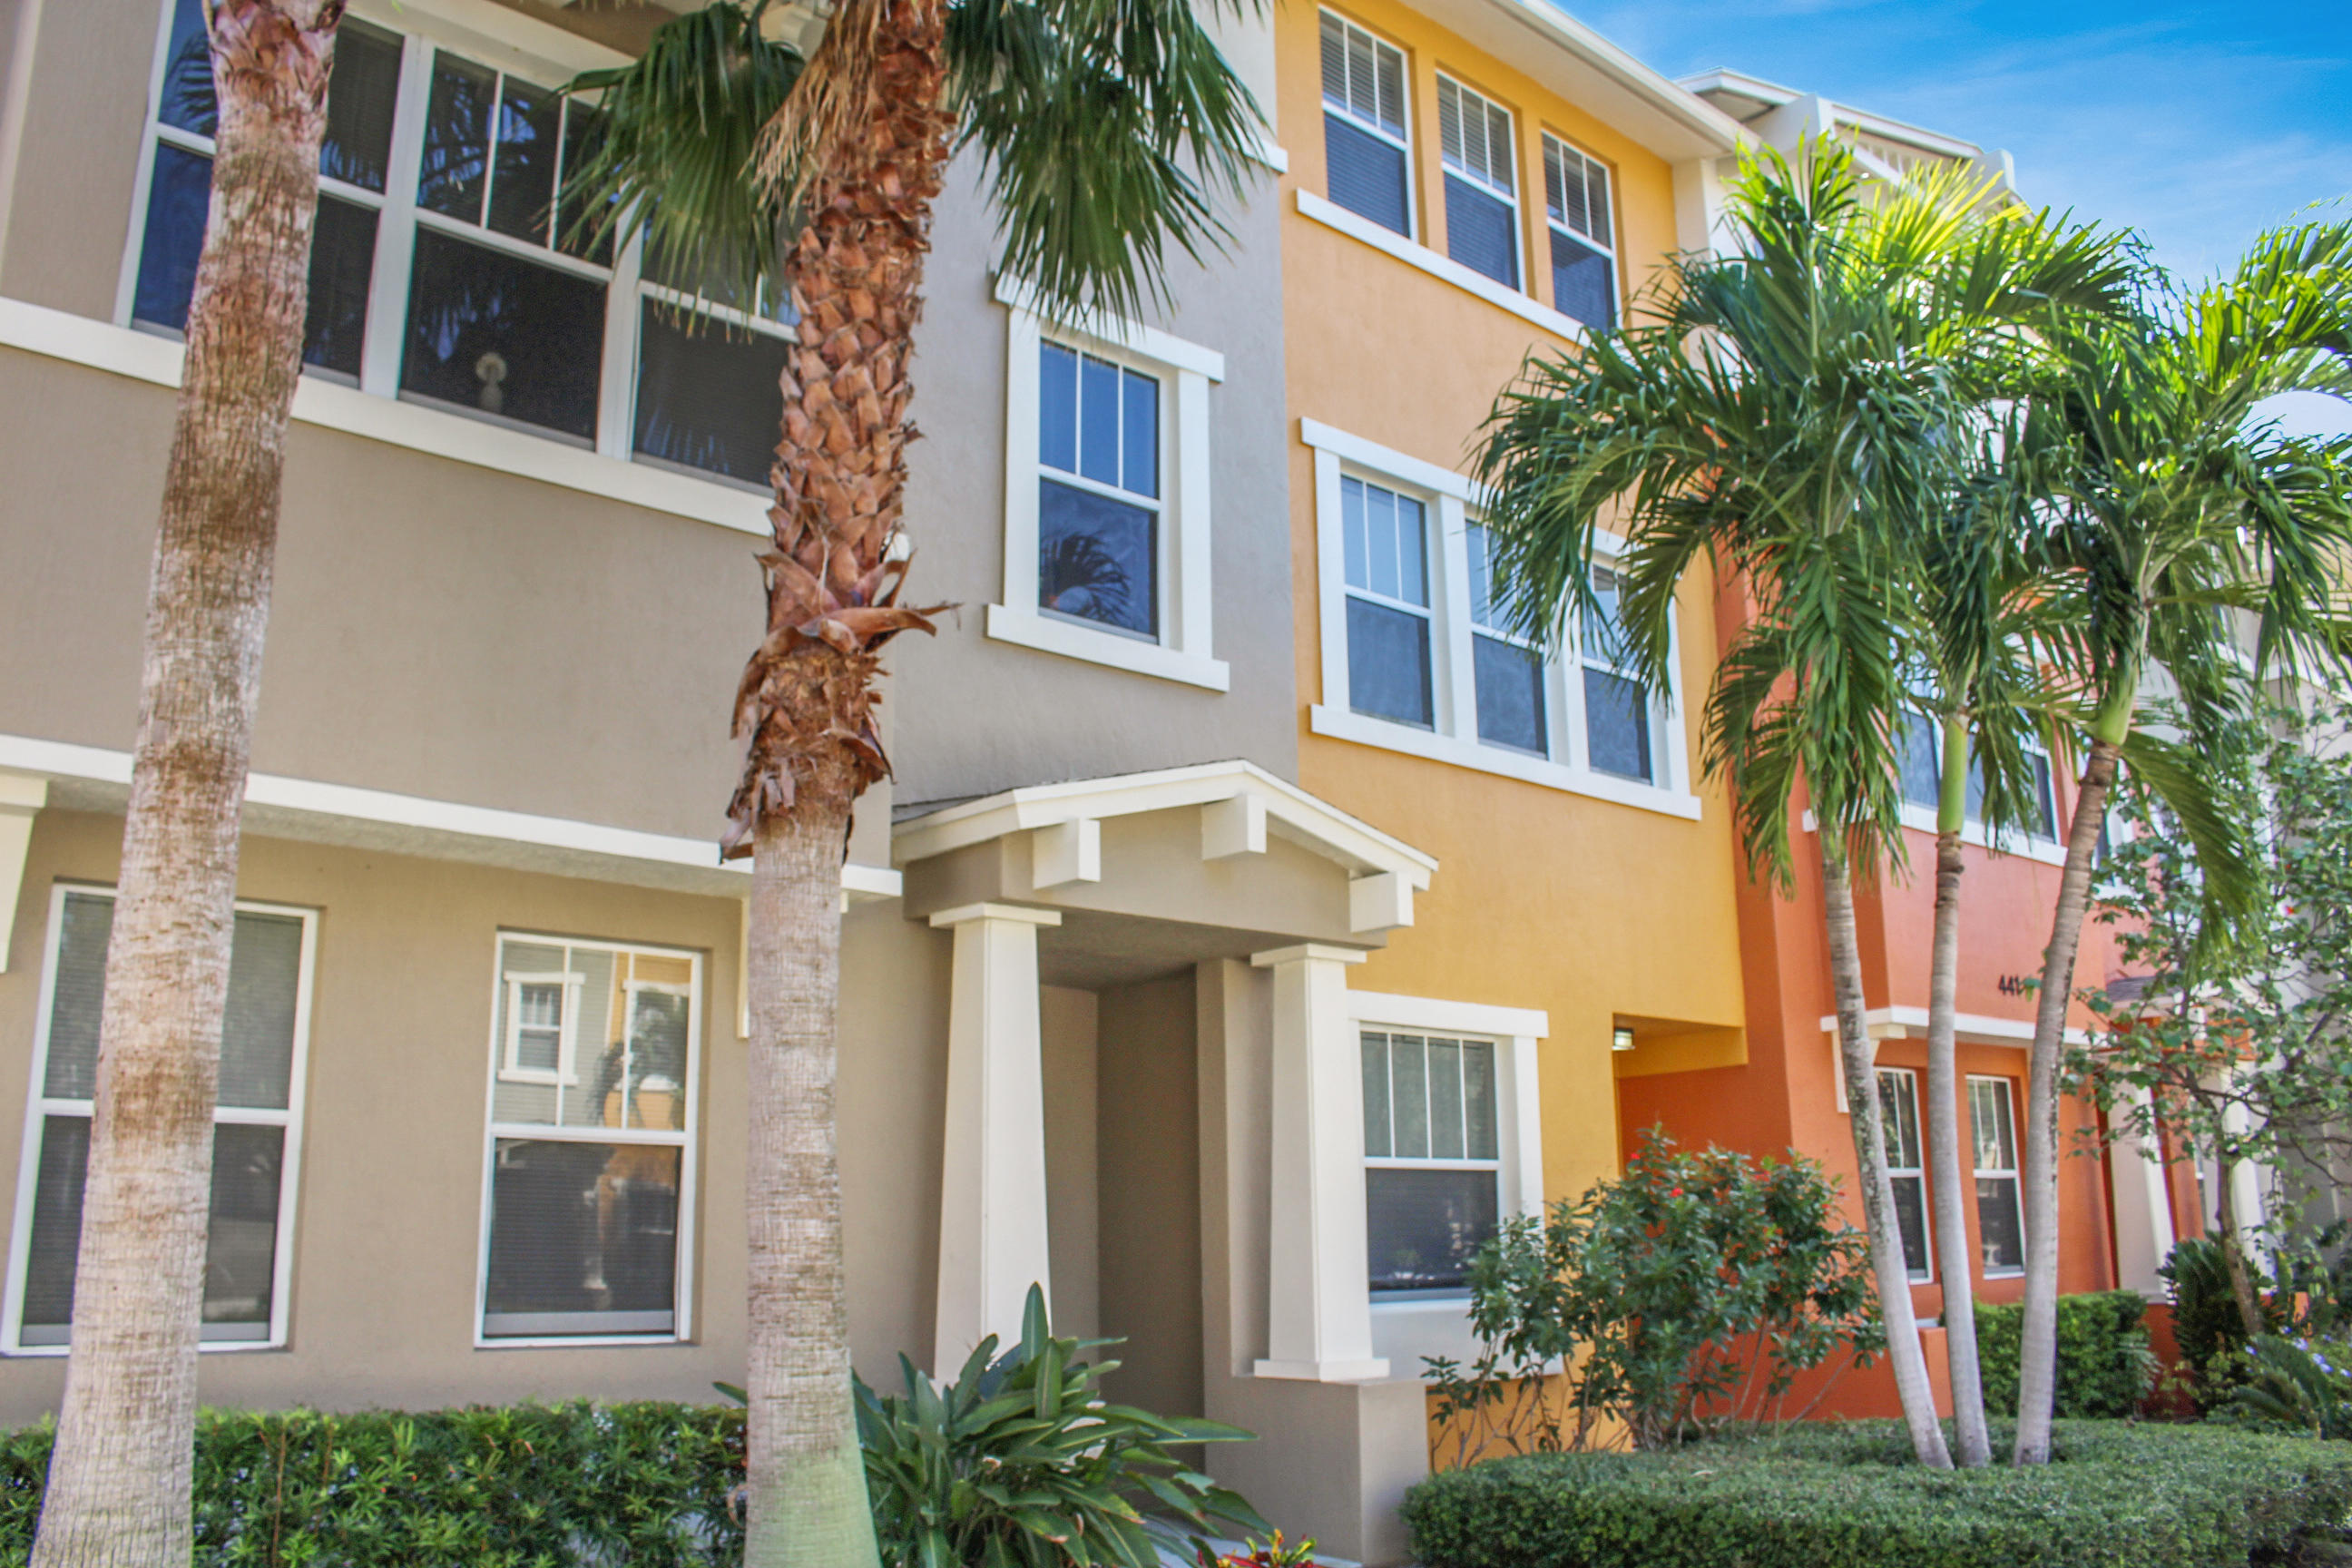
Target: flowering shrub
{"x": 2293, "y": 1382}
{"x": 1256, "y": 1554}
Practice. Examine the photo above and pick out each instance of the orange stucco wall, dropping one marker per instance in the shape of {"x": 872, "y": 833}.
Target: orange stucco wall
{"x": 1594, "y": 912}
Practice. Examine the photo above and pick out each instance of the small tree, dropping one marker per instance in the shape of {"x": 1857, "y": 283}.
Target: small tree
{"x": 2234, "y": 1037}
{"x": 1696, "y": 1287}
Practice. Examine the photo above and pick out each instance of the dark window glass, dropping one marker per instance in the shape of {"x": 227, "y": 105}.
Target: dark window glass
{"x": 1424, "y": 1226}
{"x": 455, "y": 165}
{"x": 1482, "y": 231}
{"x": 1097, "y": 559}
{"x": 1388, "y": 663}
{"x": 522, "y": 188}
{"x": 1920, "y": 753}
{"x": 2043, "y": 813}
{"x": 1139, "y": 435}
{"x": 1366, "y": 173}
{"x": 361, "y": 97}
{"x": 1057, "y": 409}
{"x": 1583, "y": 283}
{"x": 1099, "y": 422}
{"x": 491, "y": 331}
{"x": 342, "y": 258}
{"x": 1378, "y": 1143}
{"x": 1616, "y": 725}
{"x": 573, "y": 234}
{"x": 707, "y": 396}
{"x": 188, "y": 103}
{"x": 1911, "y": 1219}
{"x": 1510, "y": 694}
{"x": 583, "y": 1239}
{"x": 2002, "y": 1234}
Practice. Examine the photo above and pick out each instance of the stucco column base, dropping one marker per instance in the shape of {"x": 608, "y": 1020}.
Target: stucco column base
{"x": 1332, "y": 1460}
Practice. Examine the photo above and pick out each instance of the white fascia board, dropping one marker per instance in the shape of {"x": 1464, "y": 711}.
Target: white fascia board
{"x": 1739, "y": 83}
{"x": 1970, "y": 1028}
{"x": 424, "y": 823}
{"x": 1433, "y": 1013}
{"x": 1134, "y": 337}
{"x": 1918, "y": 136}
{"x": 1291, "y": 813}
{"x": 331, "y": 406}
{"x": 1594, "y": 74}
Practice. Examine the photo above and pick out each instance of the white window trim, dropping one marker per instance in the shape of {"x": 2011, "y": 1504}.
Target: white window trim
{"x": 1185, "y": 370}
{"x": 686, "y": 1139}
{"x": 2027, "y": 844}
{"x": 1331, "y": 215}
{"x": 1402, "y": 143}
{"x": 1927, "y": 1208}
{"x": 1449, "y": 497}
{"x": 2014, "y": 1176}
{"x": 1616, "y": 282}
{"x": 566, "y": 1070}
{"x": 38, "y": 1106}
{"x": 1405, "y": 1331}
{"x": 1483, "y": 187}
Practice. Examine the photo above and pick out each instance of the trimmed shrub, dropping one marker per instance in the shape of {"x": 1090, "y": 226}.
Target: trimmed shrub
{"x": 524, "y": 1486}
{"x": 2116, "y": 1494}
{"x": 2104, "y": 1367}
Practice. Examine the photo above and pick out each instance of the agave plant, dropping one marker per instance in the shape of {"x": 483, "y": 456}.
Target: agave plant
{"x": 1020, "y": 1462}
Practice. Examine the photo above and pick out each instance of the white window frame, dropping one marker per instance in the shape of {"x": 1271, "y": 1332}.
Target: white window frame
{"x": 1185, "y": 370}
{"x": 1481, "y": 181}
{"x": 686, "y": 1140}
{"x": 39, "y": 1106}
{"x": 1552, "y": 144}
{"x": 2013, "y": 1174}
{"x": 1909, "y": 1079}
{"x": 1405, "y": 1331}
{"x": 1452, "y": 499}
{"x": 1347, "y": 112}
{"x": 1495, "y": 630}
{"x": 1589, "y": 655}
{"x": 544, "y": 55}
{"x": 2027, "y": 844}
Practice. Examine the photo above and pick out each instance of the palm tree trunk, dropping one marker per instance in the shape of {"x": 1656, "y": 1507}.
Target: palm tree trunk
{"x": 2037, "y": 1384}
{"x": 869, "y": 149}
{"x": 118, "y": 1490}
{"x": 1944, "y": 1111}
{"x": 1894, "y": 1280}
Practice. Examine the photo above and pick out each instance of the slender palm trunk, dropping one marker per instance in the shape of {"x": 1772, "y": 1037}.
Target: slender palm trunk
{"x": 877, "y": 141}
{"x": 1902, "y": 1352}
{"x": 2037, "y": 1382}
{"x": 1944, "y": 1111}
{"x": 118, "y": 1492}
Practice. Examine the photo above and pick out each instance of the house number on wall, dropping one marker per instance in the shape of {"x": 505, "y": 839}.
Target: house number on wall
{"x": 2016, "y": 984}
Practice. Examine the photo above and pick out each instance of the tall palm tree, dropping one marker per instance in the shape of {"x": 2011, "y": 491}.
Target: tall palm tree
{"x": 2179, "y": 507}
{"x": 1106, "y": 131}
{"x": 1792, "y": 412}
{"x": 118, "y": 1479}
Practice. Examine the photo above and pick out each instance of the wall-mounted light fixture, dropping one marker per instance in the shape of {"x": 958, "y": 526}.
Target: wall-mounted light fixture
{"x": 1620, "y": 1038}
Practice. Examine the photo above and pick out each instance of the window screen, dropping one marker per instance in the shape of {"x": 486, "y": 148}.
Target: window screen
{"x": 1482, "y": 214}
{"x": 1364, "y": 142}
{"x": 1430, "y": 1145}
{"x": 1513, "y": 691}
{"x": 1583, "y": 254}
{"x": 1616, "y": 710}
{"x": 251, "y": 1124}
{"x": 1387, "y": 569}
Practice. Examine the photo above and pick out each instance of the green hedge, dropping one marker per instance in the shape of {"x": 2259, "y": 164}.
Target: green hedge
{"x": 520, "y": 1487}
{"x": 2118, "y": 1496}
{"x": 2104, "y": 1367}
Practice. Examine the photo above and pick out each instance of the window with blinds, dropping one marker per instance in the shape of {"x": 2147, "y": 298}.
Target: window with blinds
{"x": 1482, "y": 204}
{"x": 1616, "y": 710}
{"x": 1509, "y": 671}
{"x": 1387, "y": 572}
{"x": 589, "y": 1161}
{"x": 2000, "y": 1224}
{"x": 256, "y": 1125}
{"x": 1583, "y": 249}
{"x": 1432, "y": 1170}
{"x": 1898, "y": 1125}
{"x": 1365, "y": 146}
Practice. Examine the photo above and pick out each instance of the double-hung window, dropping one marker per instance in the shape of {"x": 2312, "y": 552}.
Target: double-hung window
{"x": 1365, "y": 148}
{"x": 2000, "y": 1224}
{"x": 1616, "y": 710}
{"x": 590, "y": 1183}
{"x": 1388, "y": 668}
{"x": 1432, "y": 1170}
{"x": 1098, "y": 491}
{"x": 1482, "y": 200}
{"x": 447, "y": 271}
{"x": 1899, "y": 1124}
{"x": 1510, "y": 674}
{"x": 1919, "y": 750}
{"x": 256, "y": 1125}
{"x": 1583, "y": 254}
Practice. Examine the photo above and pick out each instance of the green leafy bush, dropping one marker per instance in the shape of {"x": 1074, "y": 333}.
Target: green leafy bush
{"x": 2205, "y": 1323}
{"x": 2295, "y": 1385}
{"x": 520, "y": 1487}
{"x": 2116, "y": 1494}
{"x": 2105, "y": 1365}
{"x": 1021, "y": 1463}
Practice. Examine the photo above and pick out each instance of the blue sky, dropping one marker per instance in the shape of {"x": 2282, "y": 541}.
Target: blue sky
{"x": 2199, "y": 124}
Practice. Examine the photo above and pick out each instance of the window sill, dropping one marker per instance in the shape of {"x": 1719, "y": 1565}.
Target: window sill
{"x": 1367, "y": 731}
{"x": 1333, "y": 215}
{"x": 1006, "y": 624}
{"x": 333, "y": 406}
{"x": 2032, "y": 846}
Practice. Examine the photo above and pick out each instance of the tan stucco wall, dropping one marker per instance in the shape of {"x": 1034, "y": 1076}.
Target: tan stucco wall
{"x": 1065, "y": 1020}
{"x": 1150, "y": 1159}
{"x": 387, "y": 1231}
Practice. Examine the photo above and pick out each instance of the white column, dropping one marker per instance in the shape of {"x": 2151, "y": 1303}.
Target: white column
{"x": 992, "y": 1185}
{"x": 21, "y": 798}
{"x": 2143, "y": 1214}
{"x": 2245, "y": 1179}
{"x": 1320, "y": 1310}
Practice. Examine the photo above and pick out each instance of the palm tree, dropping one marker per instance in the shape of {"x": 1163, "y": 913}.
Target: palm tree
{"x": 118, "y": 1490}
{"x": 1792, "y": 412}
{"x": 1106, "y": 131}
{"x": 2179, "y": 509}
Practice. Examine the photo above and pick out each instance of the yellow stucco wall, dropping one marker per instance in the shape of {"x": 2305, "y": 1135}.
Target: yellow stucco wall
{"x": 1591, "y": 910}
